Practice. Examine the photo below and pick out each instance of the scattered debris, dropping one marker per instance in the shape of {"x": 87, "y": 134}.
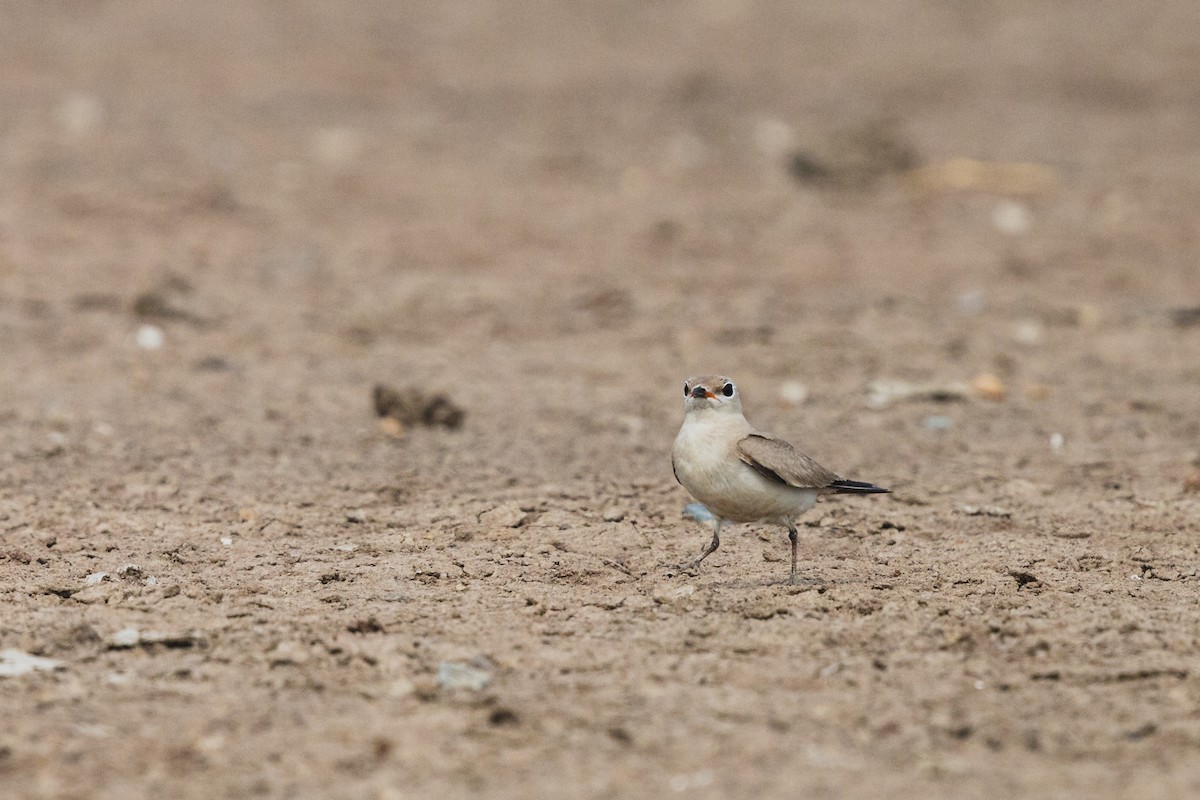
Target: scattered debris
{"x": 855, "y": 156}
{"x": 503, "y": 717}
{"x": 368, "y": 625}
{"x": 793, "y": 393}
{"x": 474, "y": 675}
{"x": 614, "y": 513}
{"x": 1024, "y": 579}
{"x": 128, "y": 638}
{"x": 18, "y": 662}
{"x": 155, "y": 306}
{"x": 509, "y": 515}
{"x": 1185, "y": 317}
{"x": 288, "y": 654}
{"x": 1012, "y": 217}
{"x": 150, "y": 337}
{"x": 985, "y": 511}
{"x": 884, "y": 393}
{"x": 988, "y": 386}
{"x": 967, "y": 174}
{"x": 414, "y": 407}
{"x": 1027, "y": 332}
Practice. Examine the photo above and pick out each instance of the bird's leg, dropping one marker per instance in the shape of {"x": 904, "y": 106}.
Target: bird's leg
{"x": 794, "y": 579}
{"x": 791, "y": 526}
{"x": 712, "y": 546}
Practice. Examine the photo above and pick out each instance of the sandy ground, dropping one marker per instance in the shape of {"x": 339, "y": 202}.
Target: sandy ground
{"x": 221, "y": 224}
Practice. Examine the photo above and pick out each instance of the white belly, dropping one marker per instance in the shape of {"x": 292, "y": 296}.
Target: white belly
{"x": 708, "y": 466}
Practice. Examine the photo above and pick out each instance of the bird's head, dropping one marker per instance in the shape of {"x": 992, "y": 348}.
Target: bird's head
{"x": 711, "y": 393}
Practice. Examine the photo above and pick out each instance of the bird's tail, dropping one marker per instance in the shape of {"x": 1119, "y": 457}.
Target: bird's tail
{"x": 842, "y": 486}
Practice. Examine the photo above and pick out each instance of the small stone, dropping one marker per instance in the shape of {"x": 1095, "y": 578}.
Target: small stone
{"x": 130, "y": 572}
{"x": 938, "y": 422}
{"x": 1191, "y": 484}
{"x": 508, "y": 515}
{"x": 635, "y": 602}
{"x": 457, "y": 675}
{"x": 356, "y": 516}
{"x": 669, "y": 593}
{"x": 124, "y": 638}
{"x": 1056, "y": 441}
{"x": 988, "y": 386}
{"x": 1028, "y": 332}
{"x": 1011, "y": 217}
{"x": 288, "y": 654}
{"x": 17, "y": 662}
{"x": 95, "y": 578}
{"x": 793, "y": 393}
{"x": 150, "y": 337}
{"x": 614, "y": 514}
{"x": 390, "y": 426}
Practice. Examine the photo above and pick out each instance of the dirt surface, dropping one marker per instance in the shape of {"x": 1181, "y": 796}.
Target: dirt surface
{"x": 222, "y": 224}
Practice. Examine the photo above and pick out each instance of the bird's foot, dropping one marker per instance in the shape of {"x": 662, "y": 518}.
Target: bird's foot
{"x": 684, "y": 566}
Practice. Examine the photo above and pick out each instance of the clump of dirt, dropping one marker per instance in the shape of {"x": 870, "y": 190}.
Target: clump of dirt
{"x": 411, "y": 407}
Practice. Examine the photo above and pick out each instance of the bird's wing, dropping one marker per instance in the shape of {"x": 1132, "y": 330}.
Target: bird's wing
{"x": 779, "y": 461}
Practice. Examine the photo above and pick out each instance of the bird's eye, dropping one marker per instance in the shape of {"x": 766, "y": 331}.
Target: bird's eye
{"x": 727, "y": 390}
{"x": 686, "y": 390}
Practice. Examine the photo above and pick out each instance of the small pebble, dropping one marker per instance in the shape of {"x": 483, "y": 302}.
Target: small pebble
{"x": 150, "y": 337}
{"x": 938, "y": 422}
{"x": 1191, "y": 484}
{"x": 456, "y": 675}
{"x": 1056, "y": 441}
{"x": 614, "y": 514}
{"x": 1028, "y": 332}
{"x": 988, "y": 386}
{"x": 793, "y": 393}
{"x": 1011, "y": 217}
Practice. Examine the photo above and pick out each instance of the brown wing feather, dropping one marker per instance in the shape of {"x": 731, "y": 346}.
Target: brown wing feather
{"x": 778, "y": 460}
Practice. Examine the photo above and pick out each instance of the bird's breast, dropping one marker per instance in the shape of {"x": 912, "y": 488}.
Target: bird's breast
{"x": 707, "y": 463}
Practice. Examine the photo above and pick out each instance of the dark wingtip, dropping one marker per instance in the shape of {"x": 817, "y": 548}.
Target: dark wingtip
{"x": 842, "y": 486}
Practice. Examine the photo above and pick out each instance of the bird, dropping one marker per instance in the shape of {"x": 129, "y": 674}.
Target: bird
{"x": 742, "y": 474}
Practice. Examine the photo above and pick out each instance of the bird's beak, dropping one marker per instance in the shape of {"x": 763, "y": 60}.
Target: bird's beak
{"x": 701, "y": 392}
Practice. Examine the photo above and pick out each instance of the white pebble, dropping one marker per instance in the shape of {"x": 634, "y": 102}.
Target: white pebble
{"x": 793, "y": 392}
{"x": 150, "y": 337}
{"x": 1056, "y": 441}
{"x": 1011, "y": 217}
{"x": 1028, "y": 332}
